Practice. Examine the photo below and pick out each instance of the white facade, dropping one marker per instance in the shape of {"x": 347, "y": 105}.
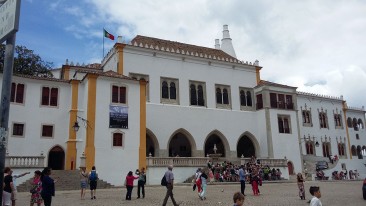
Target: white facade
{"x": 271, "y": 126}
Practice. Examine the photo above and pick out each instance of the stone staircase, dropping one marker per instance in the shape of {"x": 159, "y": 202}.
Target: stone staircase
{"x": 68, "y": 180}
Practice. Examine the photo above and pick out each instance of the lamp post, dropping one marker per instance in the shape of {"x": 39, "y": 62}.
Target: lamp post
{"x": 76, "y": 128}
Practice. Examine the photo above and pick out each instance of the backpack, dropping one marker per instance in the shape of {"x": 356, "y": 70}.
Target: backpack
{"x": 163, "y": 181}
{"x": 93, "y": 176}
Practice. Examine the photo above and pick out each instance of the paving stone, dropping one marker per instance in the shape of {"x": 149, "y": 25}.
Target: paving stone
{"x": 333, "y": 193}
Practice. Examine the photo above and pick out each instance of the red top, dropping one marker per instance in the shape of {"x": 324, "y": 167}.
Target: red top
{"x": 130, "y": 179}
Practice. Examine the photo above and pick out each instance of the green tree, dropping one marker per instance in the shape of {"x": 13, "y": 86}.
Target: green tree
{"x": 26, "y": 62}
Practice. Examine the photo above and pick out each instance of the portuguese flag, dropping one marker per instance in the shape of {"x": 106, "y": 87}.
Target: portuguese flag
{"x": 108, "y": 35}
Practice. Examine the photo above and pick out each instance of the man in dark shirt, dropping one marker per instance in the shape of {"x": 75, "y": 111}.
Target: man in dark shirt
{"x": 169, "y": 176}
{"x": 8, "y": 186}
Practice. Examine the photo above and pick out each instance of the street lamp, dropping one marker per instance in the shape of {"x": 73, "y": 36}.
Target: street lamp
{"x": 76, "y": 124}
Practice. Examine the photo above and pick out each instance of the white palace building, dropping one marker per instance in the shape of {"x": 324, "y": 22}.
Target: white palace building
{"x": 153, "y": 102}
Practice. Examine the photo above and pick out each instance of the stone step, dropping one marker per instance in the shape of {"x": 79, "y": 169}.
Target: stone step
{"x": 68, "y": 180}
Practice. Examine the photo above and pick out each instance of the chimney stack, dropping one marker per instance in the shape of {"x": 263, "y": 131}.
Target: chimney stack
{"x": 226, "y": 44}
{"x": 217, "y": 43}
{"x": 119, "y": 39}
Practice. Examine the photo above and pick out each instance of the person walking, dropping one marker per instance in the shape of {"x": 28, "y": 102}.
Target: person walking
{"x": 14, "y": 193}
{"x": 48, "y": 186}
{"x": 242, "y": 177}
{"x": 169, "y": 176}
{"x": 129, "y": 184}
{"x": 83, "y": 182}
{"x": 8, "y": 186}
{"x": 300, "y": 184}
{"x": 141, "y": 183}
{"x": 198, "y": 181}
{"x": 36, "y": 190}
{"x": 93, "y": 179}
{"x": 203, "y": 185}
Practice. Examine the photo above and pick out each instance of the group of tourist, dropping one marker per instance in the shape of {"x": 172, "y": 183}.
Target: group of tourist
{"x": 342, "y": 175}
{"x": 228, "y": 172}
{"x": 43, "y": 187}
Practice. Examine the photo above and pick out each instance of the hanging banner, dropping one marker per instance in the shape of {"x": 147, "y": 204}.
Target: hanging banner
{"x": 118, "y": 116}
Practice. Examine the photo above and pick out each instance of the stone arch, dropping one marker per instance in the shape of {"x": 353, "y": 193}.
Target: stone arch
{"x": 353, "y": 150}
{"x": 291, "y": 168}
{"x": 56, "y": 158}
{"x": 359, "y": 152}
{"x": 152, "y": 144}
{"x": 216, "y": 137}
{"x": 248, "y": 139}
{"x": 181, "y": 143}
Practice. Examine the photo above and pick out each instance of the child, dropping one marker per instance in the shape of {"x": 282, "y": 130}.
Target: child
{"x": 315, "y": 192}
{"x": 238, "y": 199}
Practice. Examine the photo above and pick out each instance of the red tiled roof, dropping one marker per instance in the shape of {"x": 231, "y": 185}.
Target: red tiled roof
{"x": 41, "y": 78}
{"x": 110, "y": 73}
{"x": 154, "y": 42}
{"x": 268, "y": 83}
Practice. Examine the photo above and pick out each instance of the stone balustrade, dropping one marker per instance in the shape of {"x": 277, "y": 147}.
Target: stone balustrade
{"x": 269, "y": 162}
{"x": 177, "y": 161}
{"x": 202, "y": 161}
{"x": 24, "y": 161}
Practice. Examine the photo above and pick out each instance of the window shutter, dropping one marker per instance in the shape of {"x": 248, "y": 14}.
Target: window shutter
{"x": 122, "y": 95}
{"x": 19, "y": 93}
{"x": 54, "y": 96}
{"x": 45, "y": 96}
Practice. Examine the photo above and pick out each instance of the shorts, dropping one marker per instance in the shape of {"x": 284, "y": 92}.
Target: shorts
{"x": 14, "y": 195}
{"x": 93, "y": 185}
{"x": 6, "y": 198}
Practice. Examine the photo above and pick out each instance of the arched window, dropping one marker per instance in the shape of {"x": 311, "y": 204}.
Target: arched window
{"x": 353, "y": 150}
{"x": 341, "y": 151}
{"x": 359, "y": 152}
{"x": 249, "y": 99}
{"x": 222, "y": 96}
{"x": 309, "y": 147}
{"x": 349, "y": 122}
{"x": 173, "y": 91}
{"x": 117, "y": 140}
{"x": 218, "y": 96}
{"x": 164, "y": 90}
{"x": 355, "y": 125}
{"x": 323, "y": 120}
{"x": 193, "y": 95}
{"x": 201, "y": 99}
{"x": 225, "y": 96}
{"x": 360, "y": 124}
{"x": 243, "y": 101}
{"x": 169, "y": 91}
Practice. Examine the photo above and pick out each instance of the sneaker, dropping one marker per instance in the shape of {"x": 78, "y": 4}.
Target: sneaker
{"x": 94, "y": 197}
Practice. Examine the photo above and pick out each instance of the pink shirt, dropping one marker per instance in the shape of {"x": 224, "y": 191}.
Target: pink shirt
{"x": 130, "y": 179}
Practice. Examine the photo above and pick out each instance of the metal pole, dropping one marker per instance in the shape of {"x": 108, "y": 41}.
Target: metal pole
{"x": 5, "y": 104}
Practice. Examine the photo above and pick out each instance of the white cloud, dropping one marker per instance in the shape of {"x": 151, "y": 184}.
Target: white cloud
{"x": 317, "y": 46}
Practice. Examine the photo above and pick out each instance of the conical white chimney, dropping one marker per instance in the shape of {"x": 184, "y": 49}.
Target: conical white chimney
{"x": 226, "y": 44}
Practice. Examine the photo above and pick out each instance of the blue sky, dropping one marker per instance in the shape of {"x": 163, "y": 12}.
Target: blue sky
{"x": 317, "y": 46}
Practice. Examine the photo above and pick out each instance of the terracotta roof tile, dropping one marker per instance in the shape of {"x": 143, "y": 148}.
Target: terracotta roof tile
{"x": 199, "y": 51}
{"x": 42, "y": 78}
{"x": 111, "y": 73}
{"x": 268, "y": 83}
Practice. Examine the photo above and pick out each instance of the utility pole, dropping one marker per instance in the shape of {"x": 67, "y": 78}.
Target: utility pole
{"x": 9, "y": 25}
{"x": 5, "y": 104}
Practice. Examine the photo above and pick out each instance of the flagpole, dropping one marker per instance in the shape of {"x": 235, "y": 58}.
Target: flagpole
{"x": 103, "y": 45}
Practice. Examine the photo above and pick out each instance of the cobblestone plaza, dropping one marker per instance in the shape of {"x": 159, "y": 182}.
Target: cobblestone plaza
{"x": 333, "y": 193}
